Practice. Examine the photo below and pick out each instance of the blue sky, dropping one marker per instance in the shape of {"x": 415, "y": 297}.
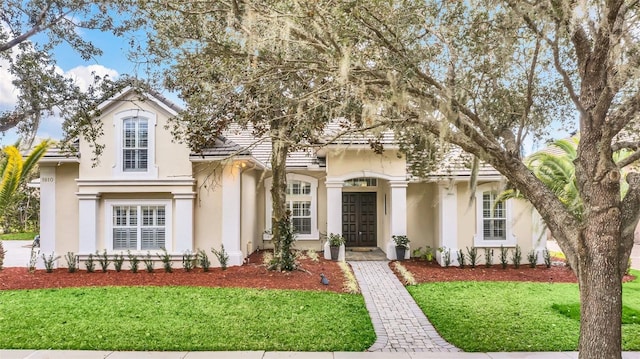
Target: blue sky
{"x": 114, "y": 62}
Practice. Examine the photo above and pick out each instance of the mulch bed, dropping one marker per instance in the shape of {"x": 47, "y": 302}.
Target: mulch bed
{"x": 255, "y": 275}
{"x": 424, "y": 271}
{"x": 251, "y": 275}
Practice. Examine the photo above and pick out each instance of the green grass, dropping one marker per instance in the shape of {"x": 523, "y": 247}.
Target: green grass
{"x": 183, "y": 319}
{"x": 515, "y": 316}
{"x": 21, "y": 236}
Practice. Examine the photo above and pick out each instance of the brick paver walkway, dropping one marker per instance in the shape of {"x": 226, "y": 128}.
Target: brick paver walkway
{"x": 397, "y": 320}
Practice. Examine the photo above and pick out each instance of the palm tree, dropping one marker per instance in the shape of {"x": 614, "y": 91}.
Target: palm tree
{"x": 556, "y": 170}
{"x": 14, "y": 169}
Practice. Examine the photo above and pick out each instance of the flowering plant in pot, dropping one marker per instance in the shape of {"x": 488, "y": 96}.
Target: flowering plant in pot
{"x": 335, "y": 241}
{"x": 401, "y": 242}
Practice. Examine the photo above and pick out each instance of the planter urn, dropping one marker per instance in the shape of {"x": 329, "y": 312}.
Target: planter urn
{"x": 335, "y": 251}
{"x": 400, "y": 252}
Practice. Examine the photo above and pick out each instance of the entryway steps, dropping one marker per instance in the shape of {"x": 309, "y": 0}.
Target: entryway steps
{"x": 399, "y": 323}
{"x": 364, "y": 254}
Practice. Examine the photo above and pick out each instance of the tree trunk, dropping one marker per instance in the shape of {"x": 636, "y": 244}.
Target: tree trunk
{"x": 600, "y": 283}
{"x": 279, "y": 218}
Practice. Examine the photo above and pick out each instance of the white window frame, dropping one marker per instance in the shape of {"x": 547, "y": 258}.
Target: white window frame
{"x": 118, "y": 124}
{"x": 478, "y": 239}
{"x": 108, "y": 221}
{"x": 314, "y": 235}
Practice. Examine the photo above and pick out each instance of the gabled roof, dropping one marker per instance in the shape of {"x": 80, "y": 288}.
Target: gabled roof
{"x": 150, "y": 94}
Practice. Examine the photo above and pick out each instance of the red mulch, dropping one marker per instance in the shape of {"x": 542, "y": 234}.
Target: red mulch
{"x": 251, "y": 275}
{"x": 255, "y": 275}
{"x": 424, "y": 271}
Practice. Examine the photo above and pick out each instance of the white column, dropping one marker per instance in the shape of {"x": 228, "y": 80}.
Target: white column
{"x": 88, "y": 222}
{"x": 231, "y": 186}
{"x": 334, "y": 214}
{"x": 47, "y": 211}
{"x": 398, "y": 215}
{"x": 448, "y": 221}
{"x": 538, "y": 237}
{"x": 183, "y": 222}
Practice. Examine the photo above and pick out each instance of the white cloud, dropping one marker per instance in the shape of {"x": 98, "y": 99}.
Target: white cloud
{"x": 8, "y": 93}
{"x": 83, "y": 75}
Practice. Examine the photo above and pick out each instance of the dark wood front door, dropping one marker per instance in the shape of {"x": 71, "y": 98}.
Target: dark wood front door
{"x": 359, "y": 219}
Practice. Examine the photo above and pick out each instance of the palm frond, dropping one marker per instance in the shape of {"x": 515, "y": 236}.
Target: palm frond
{"x": 33, "y": 157}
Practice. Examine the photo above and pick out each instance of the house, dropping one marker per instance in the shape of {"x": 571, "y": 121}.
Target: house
{"x": 148, "y": 192}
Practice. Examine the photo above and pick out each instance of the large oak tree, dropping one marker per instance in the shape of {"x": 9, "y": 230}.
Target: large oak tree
{"x": 30, "y": 31}
{"x": 234, "y": 72}
{"x": 481, "y": 74}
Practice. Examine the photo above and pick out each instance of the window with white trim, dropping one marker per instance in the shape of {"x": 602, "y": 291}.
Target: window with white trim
{"x": 138, "y": 225}
{"x": 493, "y": 219}
{"x": 135, "y": 144}
{"x": 301, "y": 202}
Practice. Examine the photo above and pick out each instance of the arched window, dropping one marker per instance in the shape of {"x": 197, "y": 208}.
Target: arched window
{"x": 135, "y": 144}
{"x": 302, "y": 198}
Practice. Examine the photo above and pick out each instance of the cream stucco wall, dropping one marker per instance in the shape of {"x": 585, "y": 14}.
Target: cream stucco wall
{"x": 521, "y": 224}
{"x": 345, "y": 161}
{"x": 207, "y": 216}
{"x": 250, "y": 232}
{"x": 172, "y": 158}
{"x": 66, "y": 209}
{"x": 422, "y": 214}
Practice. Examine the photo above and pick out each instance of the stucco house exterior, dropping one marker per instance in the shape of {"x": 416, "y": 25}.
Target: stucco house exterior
{"x": 148, "y": 192}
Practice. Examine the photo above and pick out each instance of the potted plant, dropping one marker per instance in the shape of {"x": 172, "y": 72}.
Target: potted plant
{"x": 401, "y": 242}
{"x": 335, "y": 241}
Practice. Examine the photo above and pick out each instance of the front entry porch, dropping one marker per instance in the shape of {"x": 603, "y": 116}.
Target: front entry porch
{"x": 367, "y": 209}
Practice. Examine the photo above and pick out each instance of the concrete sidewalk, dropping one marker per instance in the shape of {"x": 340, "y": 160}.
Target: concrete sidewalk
{"x": 71, "y": 354}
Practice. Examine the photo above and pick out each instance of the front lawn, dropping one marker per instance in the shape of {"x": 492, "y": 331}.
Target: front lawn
{"x": 515, "y": 316}
{"x": 20, "y": 236}
{"x": 183, "y": 319}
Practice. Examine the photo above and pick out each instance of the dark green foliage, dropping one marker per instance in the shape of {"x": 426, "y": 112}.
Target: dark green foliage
{"x": 134, "y": 262}
{"x": 2, "y": 253}
{"x": 203, "y": 260}
{"x": 547, "y": 258}
{"x": 90, "y": 263}
{"x": 118, "y": 260}
{"x": 461, "y": 258}
{"x": 446, "y": 256}
{"x": 222, "y": 256}
{"x": 426, "y": 254}
{"x": 166, "y": 260}
{"x": 103, "y": 259}
{"x": 488, "y": 257}
{"x": 532, "y": 257}
{"x": 148, "y": 263}
{"x": 72, "y": 262}
{"x": 472, "y": 255}
{"x": 516, "y": 257}
{"x": 504, "y": 256}
{"x": 188, "y": 261}
{"x": 49, "y": 261}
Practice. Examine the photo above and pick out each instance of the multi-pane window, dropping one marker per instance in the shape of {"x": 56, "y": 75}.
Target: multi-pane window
{"x": 301, "y": 216}
{"x": 301, "y": 202}
{"x": 361, "y": 182}
{"x": 296, "y": 187}
{"x": 139, "y": 227}
{"x": 494, "y": 217}
{"x": 135, "y": 144}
